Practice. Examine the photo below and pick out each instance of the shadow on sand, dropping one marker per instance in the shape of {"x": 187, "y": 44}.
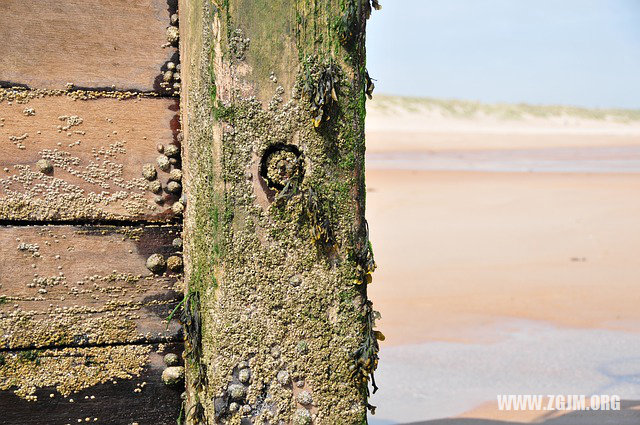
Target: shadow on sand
{"x": 627, "y": 415}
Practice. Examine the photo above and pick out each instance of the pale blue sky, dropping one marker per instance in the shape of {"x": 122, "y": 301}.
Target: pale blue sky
{"x": 575, "y": 52}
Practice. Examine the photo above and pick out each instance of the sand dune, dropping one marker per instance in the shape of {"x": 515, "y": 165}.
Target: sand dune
{"x": 416, "y": 125}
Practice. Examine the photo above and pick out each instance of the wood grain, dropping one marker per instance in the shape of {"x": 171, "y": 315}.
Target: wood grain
{"x": 90, "y": 43}
{"x": 85, "y": 286}
{"x": 97, "y": 163}
{"x": 141, "y": 398}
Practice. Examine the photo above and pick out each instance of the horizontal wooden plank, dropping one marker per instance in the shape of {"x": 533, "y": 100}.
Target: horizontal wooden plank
{"x": 85, "y": 285}
{"x": 90, "y": 43}
{"x": 97, "y": 149}
{"x": 109, "y": 385}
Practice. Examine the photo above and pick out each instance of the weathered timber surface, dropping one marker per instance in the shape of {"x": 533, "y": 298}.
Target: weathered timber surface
{"x": 125, "y": 390}
{"x": 90, "y": 43}
{"x": 97, "y": 149}
{"x": 85, "y": 285}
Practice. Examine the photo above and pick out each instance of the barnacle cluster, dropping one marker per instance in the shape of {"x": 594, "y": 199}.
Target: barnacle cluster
{"x": 170, "y": 80}
{"x": 238, "y": 45}
{"x": 168, "y": 161}
{"x": 70, "y": 369}
{"x": 234, "y": 398}
{"x": 73, "y": 331}
{"x": 23, "y": 95}
{"x": 81, "y": 168}
{"x": 173, "y": 33}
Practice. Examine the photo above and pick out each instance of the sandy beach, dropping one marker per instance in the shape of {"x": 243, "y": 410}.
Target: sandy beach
{"x": 490, "y": 223}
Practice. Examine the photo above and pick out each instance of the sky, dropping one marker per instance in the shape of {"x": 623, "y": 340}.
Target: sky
{"x": 567, "y": 52}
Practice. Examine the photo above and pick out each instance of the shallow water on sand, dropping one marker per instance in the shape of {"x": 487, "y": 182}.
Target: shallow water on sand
{"x": 424, "y": 382}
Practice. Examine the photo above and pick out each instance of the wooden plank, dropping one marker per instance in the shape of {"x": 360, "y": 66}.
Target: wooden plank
{"x": 97, "y": 149}
{"x": 85, "y": 285}
{"x": 109, "y": 385}
{"x": 90, "y": 43}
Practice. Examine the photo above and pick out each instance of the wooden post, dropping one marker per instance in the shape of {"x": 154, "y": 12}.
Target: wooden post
{"x": 277, "y": 256}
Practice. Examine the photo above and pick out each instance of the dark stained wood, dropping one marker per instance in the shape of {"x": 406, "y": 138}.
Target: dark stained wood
{"x": 144, "y": 399}
{"x": 97, "y": 172}
{"x": 90, "y": 43}
{"x": 85, "y": 285}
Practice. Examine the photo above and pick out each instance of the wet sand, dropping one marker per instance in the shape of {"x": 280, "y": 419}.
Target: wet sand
{"x": 461, "y": 249}
{"x": 490, "y": 233}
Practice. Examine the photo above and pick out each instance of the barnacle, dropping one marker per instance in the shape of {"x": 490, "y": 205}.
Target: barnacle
{"x": 238, "y": 45}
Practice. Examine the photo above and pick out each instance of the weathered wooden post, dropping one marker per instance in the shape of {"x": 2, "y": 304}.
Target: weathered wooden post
{"x": 277, "y": 256}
